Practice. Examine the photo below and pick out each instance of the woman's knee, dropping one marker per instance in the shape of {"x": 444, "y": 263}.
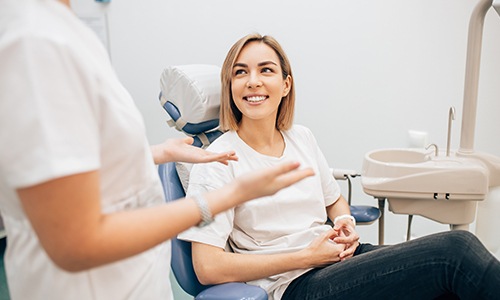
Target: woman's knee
{"x": 459, "y": 241}
{"x": 462, "y": 236}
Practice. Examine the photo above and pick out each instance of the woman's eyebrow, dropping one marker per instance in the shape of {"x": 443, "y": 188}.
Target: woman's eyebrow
{"x": 240, "y": 65}
{"x": 267, "y": 62}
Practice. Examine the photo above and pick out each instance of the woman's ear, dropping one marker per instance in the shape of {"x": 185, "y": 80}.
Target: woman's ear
{"x": 287, "y": 85}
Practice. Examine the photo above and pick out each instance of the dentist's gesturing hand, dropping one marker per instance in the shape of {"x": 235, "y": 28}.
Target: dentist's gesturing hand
{"x": 182, "y": 150}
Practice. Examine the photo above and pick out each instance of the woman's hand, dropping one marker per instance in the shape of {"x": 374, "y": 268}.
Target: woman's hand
{"x": 347, "y": 235}
{"x": 182, "y": 150}
{"x": 323, "y": 250}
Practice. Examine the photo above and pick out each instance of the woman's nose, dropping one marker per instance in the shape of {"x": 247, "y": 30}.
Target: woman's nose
{"x": 254, "y": 81}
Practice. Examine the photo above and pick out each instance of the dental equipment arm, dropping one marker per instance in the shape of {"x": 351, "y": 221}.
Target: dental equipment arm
{"x": 474, "y": 43}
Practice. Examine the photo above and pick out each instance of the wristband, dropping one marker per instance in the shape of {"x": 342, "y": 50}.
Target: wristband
{"x": 341, "y": 217}
{"x": 206, "y": 215}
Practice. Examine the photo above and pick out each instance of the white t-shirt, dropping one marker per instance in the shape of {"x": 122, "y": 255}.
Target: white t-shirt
{"x": 285, "y": 222}
{"x": 62, "y": 112}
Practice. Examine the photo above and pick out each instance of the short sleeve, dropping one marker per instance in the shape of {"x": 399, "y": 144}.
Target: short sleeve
{"x": 331, "y": 189}
{"x": 204, "y": 178}
{"x": 47, "y": 112}
{"x": 215, "y": 234}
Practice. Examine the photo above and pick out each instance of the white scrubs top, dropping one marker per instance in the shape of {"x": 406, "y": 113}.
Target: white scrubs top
{"x": 62, "y": 112}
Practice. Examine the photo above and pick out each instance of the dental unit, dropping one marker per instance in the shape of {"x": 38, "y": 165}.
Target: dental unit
{"x": 450, "y": 188}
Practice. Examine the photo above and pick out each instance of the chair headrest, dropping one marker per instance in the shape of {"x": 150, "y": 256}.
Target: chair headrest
{"x": 190, "y": 94}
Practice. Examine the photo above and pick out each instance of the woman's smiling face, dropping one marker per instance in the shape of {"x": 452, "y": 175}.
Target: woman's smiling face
{"x": 257, "y": 83}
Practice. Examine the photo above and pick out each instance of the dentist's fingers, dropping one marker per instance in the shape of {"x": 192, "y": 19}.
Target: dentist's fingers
{"x": 289, "y": 175}
{"x": 222, "y": 158}
{"x": 188, "y": 140}
{"x": 182, "y": 150}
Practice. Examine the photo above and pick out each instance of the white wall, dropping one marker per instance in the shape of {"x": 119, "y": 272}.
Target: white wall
{"x": 366, "y": 71}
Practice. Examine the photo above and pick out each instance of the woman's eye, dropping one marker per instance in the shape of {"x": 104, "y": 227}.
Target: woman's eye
{"x": 239, "y": 72}
{"x": 267, "y": 70}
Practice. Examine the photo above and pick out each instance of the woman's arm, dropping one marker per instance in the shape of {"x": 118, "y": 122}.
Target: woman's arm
{"x": 213, "y": 265}
{"x": 338, "y": 208}
{"x": 182, "y": 150}
{"x": 66, "y": 215}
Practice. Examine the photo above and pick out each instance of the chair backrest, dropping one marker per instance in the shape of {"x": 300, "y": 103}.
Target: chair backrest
{"x": 190, "y": 94}
{"x": 181, "y": 264}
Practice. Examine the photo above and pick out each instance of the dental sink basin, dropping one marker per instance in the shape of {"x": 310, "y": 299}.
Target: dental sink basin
{"x": 398, "y": 156}
{"x": 414, "y": 174}
{"x": 442, "y": 188}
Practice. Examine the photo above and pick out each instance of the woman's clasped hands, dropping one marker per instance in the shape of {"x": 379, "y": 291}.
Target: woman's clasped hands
{"x": 346, "y": 235}
{"x": 332, "y": 246}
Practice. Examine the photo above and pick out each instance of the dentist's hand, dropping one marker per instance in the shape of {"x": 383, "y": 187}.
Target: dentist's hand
{"x": 347, "y": 235}
{"x": 182, "y": 150}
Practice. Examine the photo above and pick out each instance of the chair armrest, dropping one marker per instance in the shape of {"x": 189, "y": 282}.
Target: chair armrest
{"x": 340, "y": 174}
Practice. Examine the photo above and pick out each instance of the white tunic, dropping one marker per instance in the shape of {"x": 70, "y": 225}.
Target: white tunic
{"x": 62, "y": 112}
{"x": 285, "y": 222}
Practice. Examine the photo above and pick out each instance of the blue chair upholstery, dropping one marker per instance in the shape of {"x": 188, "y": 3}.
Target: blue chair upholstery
{"x": 203, "y": 133}
{"x": 181, "y": 263}
{"x": 365, "y": 214}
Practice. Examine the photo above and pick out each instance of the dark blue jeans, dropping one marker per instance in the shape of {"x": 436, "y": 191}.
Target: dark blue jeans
{"x": 451, "y": 264}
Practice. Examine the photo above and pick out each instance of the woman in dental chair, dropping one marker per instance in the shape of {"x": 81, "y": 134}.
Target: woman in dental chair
{"x": 281, "y": 242}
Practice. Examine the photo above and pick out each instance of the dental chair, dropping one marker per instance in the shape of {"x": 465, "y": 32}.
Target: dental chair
{"x": 197, "y": 115}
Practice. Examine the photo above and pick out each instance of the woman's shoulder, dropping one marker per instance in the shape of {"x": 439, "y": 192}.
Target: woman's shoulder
{"x": 301, "y": 136}
{"x": 215, "y": 174}
{"x": 298, "y": 130}
{"x": 222, "y": 143}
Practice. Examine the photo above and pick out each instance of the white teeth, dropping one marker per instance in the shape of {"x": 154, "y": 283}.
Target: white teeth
{"x": 256, "y": 98}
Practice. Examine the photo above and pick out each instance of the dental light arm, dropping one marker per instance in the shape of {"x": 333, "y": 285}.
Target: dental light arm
{"x": 474, "y": 44}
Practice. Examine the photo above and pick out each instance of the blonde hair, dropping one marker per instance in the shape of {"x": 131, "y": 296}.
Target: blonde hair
{"x": 230, "y": 115}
